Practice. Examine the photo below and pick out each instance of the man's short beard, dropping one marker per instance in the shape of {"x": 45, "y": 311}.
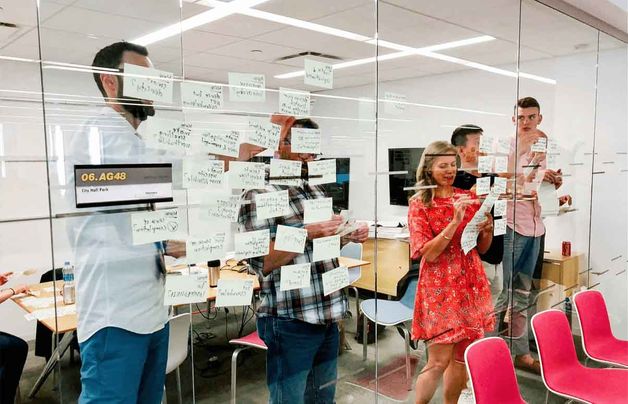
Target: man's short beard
{"x": 134, "y": 106}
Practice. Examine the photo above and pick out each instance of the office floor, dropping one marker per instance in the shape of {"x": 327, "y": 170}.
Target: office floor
{"x": 212, "y": 360}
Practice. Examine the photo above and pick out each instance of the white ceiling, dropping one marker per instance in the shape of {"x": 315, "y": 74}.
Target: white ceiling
{"x": 73, "y": 30}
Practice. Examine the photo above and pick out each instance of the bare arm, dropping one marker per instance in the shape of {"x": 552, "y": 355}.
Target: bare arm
{"x": 433, "y": 248}
{"x": 485, "y": 237}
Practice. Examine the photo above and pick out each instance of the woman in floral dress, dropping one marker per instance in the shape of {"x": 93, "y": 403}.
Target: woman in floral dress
{"x": 453, "y": 300}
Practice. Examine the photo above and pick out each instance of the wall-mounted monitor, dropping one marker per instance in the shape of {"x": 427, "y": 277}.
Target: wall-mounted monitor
{"x": 402, "y": 159}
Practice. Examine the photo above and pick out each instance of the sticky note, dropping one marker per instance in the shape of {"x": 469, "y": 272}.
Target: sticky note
{"x": 335, "y": 280}
{"x": 272, "y": 204}
{"x": 486, "y": 143}
{"x": 244, "y": 87}
{"x": 326, "y": 248}
{"x": 500, "y": 207}
{"x": 234, "y": 292}
{"x": 499, "y": 227}
{"x": 263, "y": 133}
{"x": 394, "y": 103}
{"x": 499, "y": 185}
{"x": 296, "y": 276}
{"x": 149, "y": 227}
{"x": 318, "y": 74}
{"x": 540, "y": 146}
{"x": 203, "y": 173}
{"x": 245, "y": 175}
{"x": 501, "y": 164}
{"x": 326, "y": 168}
{"x": 221, "y": 206}
{"x": 252, "y": 244}
{"x": 294, "y": 102}
{"x": 205, "y": 249}
{"x": 285, "y": 168}
{"x": 305, "y": 140}
{"x": 503, "y": 145}
{"x": 291, "y": 239}
{"x": 483, "y": 186}
{"x": 168, "y": 134}
{"x": 225, "y": 142}
{"x": 485, "y": 164}
{"x": 317, "y": 210}
{"x": 147, "y": 83}
{"x": 186, "y": 289}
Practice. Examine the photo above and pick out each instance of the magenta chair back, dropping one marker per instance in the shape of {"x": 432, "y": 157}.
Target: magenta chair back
{"x": 491, "y": 372}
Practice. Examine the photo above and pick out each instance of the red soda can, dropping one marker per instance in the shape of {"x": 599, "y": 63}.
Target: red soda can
{"x": 566, "y": 248}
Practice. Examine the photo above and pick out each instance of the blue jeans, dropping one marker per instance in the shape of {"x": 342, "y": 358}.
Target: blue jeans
{"x": 122, "y": 367}
{"x": 300, "y": 361}
{"x": 13, "y": 351}
{"x": 520, "y": 256}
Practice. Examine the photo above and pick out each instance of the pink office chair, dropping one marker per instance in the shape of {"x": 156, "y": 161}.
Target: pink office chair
{"x": 491, "y": 372}
{"x": 561, "y": 371}
{"x": 598, "y": 340}
{"x": 248, "y": 341}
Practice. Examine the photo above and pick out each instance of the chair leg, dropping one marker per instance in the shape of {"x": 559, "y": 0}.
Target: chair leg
{"x": 234, "y": 368}
{"x": 364, "y": 339}
{"x": 546, "y": 396}
{"x": 164, "y": 399}
{"x": 178, "y": 373}
{"x": 406, "y": 338}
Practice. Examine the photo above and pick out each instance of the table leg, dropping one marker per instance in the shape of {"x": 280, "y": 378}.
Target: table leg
{"x": 52, "y": 362}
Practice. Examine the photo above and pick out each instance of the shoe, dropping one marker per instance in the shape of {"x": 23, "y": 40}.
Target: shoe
{"x": 534, "y": 367}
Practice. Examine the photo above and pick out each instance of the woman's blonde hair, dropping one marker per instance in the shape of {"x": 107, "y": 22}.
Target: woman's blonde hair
{"x": 424, "y": 171}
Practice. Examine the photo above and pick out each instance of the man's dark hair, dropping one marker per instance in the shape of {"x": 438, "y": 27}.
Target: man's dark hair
{"x": 306, "y": 123}
{"x": 528, "y": 102}
{"x": 459, "y": 135}
{"x": 111, "y": 56}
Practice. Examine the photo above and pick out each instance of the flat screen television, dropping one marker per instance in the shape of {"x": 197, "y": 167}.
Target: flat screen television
{"x": 402, "y": 159}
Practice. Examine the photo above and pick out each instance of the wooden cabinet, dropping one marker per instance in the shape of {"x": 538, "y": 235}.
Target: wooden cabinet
{"x": 563, "y": 272}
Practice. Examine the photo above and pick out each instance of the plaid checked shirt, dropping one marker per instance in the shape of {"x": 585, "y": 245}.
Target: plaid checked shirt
{"x": 307, "y": 304}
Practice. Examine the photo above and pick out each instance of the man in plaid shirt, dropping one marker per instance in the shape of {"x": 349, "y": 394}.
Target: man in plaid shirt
{"x": 298, "y": 326}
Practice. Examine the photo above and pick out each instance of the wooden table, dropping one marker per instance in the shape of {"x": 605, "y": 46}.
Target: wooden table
{"x": 393, "y": 263}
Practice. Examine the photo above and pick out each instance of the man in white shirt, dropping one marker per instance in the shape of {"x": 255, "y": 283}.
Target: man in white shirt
{"x": 122, "y": 320}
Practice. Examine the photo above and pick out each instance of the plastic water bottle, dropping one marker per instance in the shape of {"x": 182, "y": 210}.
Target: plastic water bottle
{"x": 68, "y": 283}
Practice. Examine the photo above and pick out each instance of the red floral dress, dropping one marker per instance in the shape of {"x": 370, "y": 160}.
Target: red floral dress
{"x": 453, "y": 299}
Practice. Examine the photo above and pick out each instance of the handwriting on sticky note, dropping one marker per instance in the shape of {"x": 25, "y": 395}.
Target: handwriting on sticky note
{"x": 295, "y": 276}
{"x": 245, "y": 175}
{"x": 147, "y": 83}
{"x": 306, "y": 140}
{"x": 205, "y": 249}
{"x": 234, "y": 292}
{"x": 186, "y": 289}
{"x": 503, "y": 145}
{"x": 499, "y": 185}
{"x": 225, "y": 142}
{"x": 318, "y": 74}
{"x": 486, "y": 143}
{"x": 317, "y": 210}
{"x": 469, "y": 238}
{"x": 224, "y": 207}
{"x": 291, "y": 239}
{"x": 272, "y": 204}
{"x": 499, "y": 227}
{"x": 263, "y": 133}
{"x": 335, "y": 279}
{"x": 394, "y": 103}
{"x": 326, "y": 248}
{"x": 485, "y": 164}
{"x": 500, "y": 207}
{"x": 245, "y": 87}
{"x": 501, "y": 164}
{"x": 294, "y": 102}
{"x": 169, "y": 134}
{"x": 203, "y": 173}
{"x": 201, "y": 96}
{"x": 540, "y": 146}
{"x": 483, "y": 186}
{"x": 326, "y": 168}
{"x": 252, "y": 244}
{"x": 285, "y": 168}
{"x": 148, "y": 227}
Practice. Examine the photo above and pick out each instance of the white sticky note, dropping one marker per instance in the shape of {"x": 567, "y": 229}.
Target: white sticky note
{"x": 252, "y": 244}
{"x": 244, "y": 87}
{"x": 548, "y": 199}
{"x": 149, "y": 227}
{"x": 234, "y": 292}
{"x": 503, "y": 145}
{"x": 168, "y": 134}
{"x": 317, "y": 210}
{"x": 552, "y": 147}
{"x": 203, "y": 173}
{"x": 335, "y": 279}
{"x": 483, "y": 186}
{"x": 186, "y": 289}
{"x": 223, "y": 207}
{"x": 147, "y": 83}
{"x": 295, "y": 276}
{"x": 540, "y": 146}
{"x": 205, "y": 249}
{"x": 326, "y": 168}
{"x": 294, "y": 102}
{"x": 225, "y": 142}
{"x": 291, "y": 239}
{"x": 318, "y": 74}
{"x": 501, "y": 164}
{"x": 469, "y": 238}
{"x": 500, "y": 207}
{"x": 246, "y": 175}
{"x": 486, "y": 143}
{"x": 263, "y": 133}
{"x": 499, "y": 227}
{"x": 285, "y": 168}
{"x": 272, "y": 204}
{"x": 394, "y": 103}
{"x": 326, "y": 248}
{"x": 499, "y": 185}
{"x": 485, "y": 164}
{"x": 304, "y": 140}
{"x": 202, "y": 96}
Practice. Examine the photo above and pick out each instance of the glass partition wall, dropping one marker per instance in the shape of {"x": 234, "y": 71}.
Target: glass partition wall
{"x": 277, "y": 198}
